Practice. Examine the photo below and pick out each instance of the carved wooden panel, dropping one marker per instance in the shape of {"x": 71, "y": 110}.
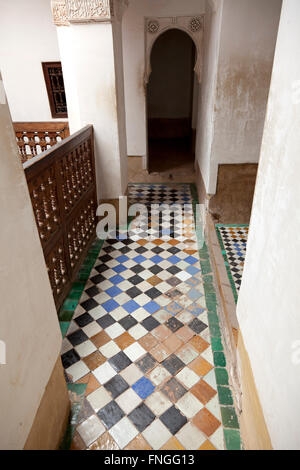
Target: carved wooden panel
{"x": 62, "y": 187}
{"x": 34, "y": 138}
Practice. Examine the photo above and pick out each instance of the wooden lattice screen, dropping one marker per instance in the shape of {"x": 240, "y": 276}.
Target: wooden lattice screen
{"x": 34, "y": 138}
{"x": 62, "y": 186}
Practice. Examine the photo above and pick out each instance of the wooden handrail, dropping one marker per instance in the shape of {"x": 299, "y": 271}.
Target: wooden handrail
{"x": 62, "y": 186}
{"x": 34, "y": 138}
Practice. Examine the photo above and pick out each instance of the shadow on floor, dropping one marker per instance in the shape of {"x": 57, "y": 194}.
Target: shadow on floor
{"x": 170, "y": 155}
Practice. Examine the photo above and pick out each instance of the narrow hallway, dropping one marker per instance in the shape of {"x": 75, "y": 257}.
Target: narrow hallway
{"x": 145, "y": 340}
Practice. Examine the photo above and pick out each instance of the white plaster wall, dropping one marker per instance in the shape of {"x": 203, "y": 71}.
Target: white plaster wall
{"x": 93, "y": 75}
{"x": 268, "y": 306}
{"x": 134, "y": 61}
{"x": 27, "y": 38}
{"x": 28, "y": 319}
{"x": 247, "y": 44}
{"x": 207, "y": 96}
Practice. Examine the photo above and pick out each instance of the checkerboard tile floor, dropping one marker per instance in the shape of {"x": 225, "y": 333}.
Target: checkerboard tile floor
{"x": 234, "y": 244}
{"x": 140, "y": 340}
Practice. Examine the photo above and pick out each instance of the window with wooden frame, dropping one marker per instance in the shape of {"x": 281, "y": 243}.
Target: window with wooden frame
{"x": 55, "y": 89}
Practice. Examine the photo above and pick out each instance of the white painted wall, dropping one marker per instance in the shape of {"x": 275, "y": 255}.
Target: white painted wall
{"x": 207, "y": 96}
{"x": 27, "y": 38}
{"x": 91, "y": 57}
{"x": 134, "y": 61}
{"x": 269, "y": 300}
{"x": 28, "y": 320}
{"x": 247, "y": 42}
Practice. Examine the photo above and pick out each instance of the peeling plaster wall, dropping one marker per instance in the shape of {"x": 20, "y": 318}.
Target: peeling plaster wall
{"x": 27, "y": 38}
{"x": 247, "y": 43}
{"x": 207, "y": 96}
{"x": 134, "y": 61}
{"x": 268, "y": 306}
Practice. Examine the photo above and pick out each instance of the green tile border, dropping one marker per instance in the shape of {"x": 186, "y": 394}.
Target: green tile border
{"x": 77, "y": 395}
{"x": 230, "y": 422}
{"x": 69, "y": 306}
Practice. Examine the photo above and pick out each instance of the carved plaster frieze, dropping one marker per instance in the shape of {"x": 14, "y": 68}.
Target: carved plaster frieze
{"x": 192, "y": 25}
{"x": 66, "y": 12}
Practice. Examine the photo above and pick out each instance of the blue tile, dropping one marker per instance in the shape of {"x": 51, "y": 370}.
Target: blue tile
{"x": 113, "y": 291}
{"x": 143, "y": 387}
{"x": 110, "y": 305}
{"x": 151, "y": 307}
{"x": 174, "y": 259}
{"x": 194, "y": 294}
{"x": 195, "y": 310}
{"x": 116, "y": 279}
{"x": 131, "y": 306}
{"x": 191, "y": 260}
{"x": 119, "y": 268}
{"x": 156, "y": 259}
{"x": 192, "y": 270}
{"x": 122, "y": 259}
{"x": 139, "y": 259}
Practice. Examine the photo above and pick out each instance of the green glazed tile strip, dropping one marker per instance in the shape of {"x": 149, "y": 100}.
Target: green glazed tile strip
{"x": 229, "y": 417}
{"x": 76, "y": 393}
{"x": 69, "y": 306}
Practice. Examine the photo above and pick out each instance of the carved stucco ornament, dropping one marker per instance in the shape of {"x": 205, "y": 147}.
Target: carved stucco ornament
{"x": 192, "y": 25}
{"x": 66, "y": 12}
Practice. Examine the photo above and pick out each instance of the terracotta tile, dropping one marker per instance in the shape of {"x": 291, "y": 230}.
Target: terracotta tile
{"x": 124, "y": 340}
{"x": 142, "y": 242}
{"x": 160, "y": 352}
{"x": 77, "y": 442}
{"x": 200, "y": 366}
{"x": 138, "y": 443}
{"x": 83, "y": 380}
{"x": 207, "y": 446}
{"x": 206, "y": 422}
{"x": 173, "y": 242}
{"x": 190, "y": 252}
{"x": 104, "y": 442}
{"x": 148, "y": 342}
{"x": 203, "y": 392}
{"x": 185, "y": 334}
{"x": 157, "y": 241}
{"x": 173, "y": 343}
{"x": 161, "y": 333}
{"x": 100, "y": 339}
{"x": 92, "y": 385}
{"x": 154, "y": 280}
{"x": 199, "y": 343}
{"x": 94, "y": 360}
{"x": 172, "y": 444}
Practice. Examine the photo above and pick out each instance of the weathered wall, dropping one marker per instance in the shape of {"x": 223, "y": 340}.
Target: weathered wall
{"x": 28, "y": 320}
{"x": 93, "y": 73}
{"x": 27, "y": 38}
{"x": 268, "y": 306}
{"x": 207, "y": 96}
{"x": 247, "y": 42}
{"x": 134, "y": 61}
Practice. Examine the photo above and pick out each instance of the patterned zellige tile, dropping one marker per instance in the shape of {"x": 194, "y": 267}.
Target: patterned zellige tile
{"x": 140, "y": 339}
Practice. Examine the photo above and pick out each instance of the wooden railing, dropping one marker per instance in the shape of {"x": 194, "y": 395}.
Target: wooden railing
{"x": 34, "y": 138}
{"x": 62, "y": 188}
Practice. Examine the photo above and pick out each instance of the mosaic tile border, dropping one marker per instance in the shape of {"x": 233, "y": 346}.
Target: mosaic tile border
{"x": 229, "y": 417}
{"x": 224, "y": 254}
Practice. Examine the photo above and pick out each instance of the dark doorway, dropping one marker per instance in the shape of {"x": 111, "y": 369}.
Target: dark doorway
{"x": 171, "y": 104}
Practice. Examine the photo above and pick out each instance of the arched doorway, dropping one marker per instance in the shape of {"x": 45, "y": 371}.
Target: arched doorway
{"x": 172, "y": 102}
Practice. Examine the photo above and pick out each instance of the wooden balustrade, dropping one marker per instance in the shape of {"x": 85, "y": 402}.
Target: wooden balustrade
{"x": 34, "y": 138}
{"x": 62, "y": 186}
